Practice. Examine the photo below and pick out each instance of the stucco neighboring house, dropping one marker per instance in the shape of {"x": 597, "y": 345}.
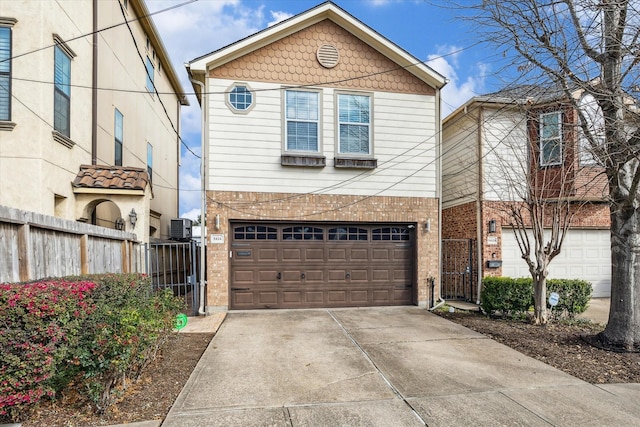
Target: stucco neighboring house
{"x": 322, "y": 179}
{"x": 496, "y": 144}
{"x": 89, "y": 114}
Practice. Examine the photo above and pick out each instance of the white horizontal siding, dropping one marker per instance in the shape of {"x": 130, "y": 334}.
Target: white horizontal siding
{"x": 245, "y": 149}
{"x": 459, "y": 161}
{"x": 505, "y": 154}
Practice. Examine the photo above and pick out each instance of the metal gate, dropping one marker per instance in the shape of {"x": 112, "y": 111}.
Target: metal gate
{"x": 459, "y": 269}
{"x": 175, "y": 265}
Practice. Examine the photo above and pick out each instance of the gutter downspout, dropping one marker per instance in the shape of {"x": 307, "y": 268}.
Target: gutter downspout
{"x": 203, "y": 204}
{"x": 439, "y": 194}
{"x": 479, "y": 214}
{"x": 94, "y": 88}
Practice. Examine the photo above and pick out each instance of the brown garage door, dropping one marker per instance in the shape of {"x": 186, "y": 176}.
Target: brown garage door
{"x": 320, "y": 265}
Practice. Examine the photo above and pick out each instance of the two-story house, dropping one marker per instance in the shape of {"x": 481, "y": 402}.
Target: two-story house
{"x": 89, "y": 115}
{"x": 322, "y": 181}
{"x": 498, "y": 146}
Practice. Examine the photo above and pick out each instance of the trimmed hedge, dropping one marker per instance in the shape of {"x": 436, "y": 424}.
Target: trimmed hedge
{"x": 99, "y": 331}
{"x": 506, "y": 295}
{"x": 574, "y": 296}
{"x": 514, "y": 297}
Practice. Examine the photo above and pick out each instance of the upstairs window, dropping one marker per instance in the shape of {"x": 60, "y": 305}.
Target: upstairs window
{"x": 302, "y": 120}
{"x": 62, "y": 92}
{"x": 118, "y": 137}
{"x": 240, "y": 98}
{"x": 354, "y": 121}
{"x": 5, "y": 73}
{"x": 551, "y": 139}
{"x": 150, "y": 71}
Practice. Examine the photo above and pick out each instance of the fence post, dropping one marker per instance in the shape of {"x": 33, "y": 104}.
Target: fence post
{"x": 24, "y": 252}
{"x": 84, "y": 254}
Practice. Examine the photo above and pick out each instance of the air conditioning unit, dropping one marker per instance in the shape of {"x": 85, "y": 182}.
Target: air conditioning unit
{"x": 180, "y": 229}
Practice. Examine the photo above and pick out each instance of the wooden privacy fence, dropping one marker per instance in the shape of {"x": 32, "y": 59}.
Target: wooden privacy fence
{"x": 35, "y": 246}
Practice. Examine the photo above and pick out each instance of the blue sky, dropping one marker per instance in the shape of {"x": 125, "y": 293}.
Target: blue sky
{"x": 427, "y": 29}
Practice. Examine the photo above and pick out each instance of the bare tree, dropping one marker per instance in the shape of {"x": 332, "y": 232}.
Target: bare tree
{"x": 591, "y": 46}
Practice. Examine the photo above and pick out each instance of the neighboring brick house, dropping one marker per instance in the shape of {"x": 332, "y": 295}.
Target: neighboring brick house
{"x": 323, "y": 181}
{"x": 492, "y": 148}
{"x": 89, "y": 112}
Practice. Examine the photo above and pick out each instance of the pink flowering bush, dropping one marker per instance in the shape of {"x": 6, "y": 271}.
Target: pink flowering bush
{"x": 39, "y": 323}
{"x": 98, "y": 332}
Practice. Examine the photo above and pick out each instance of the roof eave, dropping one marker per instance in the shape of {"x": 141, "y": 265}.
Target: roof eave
{"x": 312, "y": 16}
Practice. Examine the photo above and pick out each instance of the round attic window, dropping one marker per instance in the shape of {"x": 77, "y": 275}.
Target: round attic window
{"x": 328, "y": 55}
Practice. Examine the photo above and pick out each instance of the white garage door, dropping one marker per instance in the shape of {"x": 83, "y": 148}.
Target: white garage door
{"x": 586, "y": 255}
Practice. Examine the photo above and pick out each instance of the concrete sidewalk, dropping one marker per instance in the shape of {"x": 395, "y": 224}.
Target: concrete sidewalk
{"x": 396, "y": 366}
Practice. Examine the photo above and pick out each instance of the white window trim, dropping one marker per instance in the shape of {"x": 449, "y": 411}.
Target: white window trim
{"x": 559, "y": 138}
{"x": 227, "y": 96}
{"x": 284, "y": 123}
{"x": 338, "y": 154}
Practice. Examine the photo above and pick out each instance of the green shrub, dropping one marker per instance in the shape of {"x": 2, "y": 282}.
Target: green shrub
{"x": 574, "y": 296}
{"x": 39, "y": 324}
{"x": 122, "y": 336}
{"x": 510, "y": 297}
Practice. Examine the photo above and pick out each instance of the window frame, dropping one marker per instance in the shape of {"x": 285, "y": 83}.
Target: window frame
{"x": 60, "y": 94}
{"x": 338, "y": 146}
{"x": 556, "y": 140}
{"x": 7, "y": 24}
{"x": 286, "y": 120}
{"x": 118, "y": 137}
{"x": 149, "y": 75}
{"x": 229, "y": 102}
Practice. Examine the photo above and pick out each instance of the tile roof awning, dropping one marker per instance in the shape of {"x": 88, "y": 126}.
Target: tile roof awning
{"x": 110, "y": 179}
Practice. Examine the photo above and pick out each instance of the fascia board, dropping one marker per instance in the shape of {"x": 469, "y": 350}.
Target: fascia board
{"x": 313, "y": 16}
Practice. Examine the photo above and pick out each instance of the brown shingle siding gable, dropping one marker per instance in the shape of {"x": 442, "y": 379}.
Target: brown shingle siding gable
{"x": 293, "y": 61}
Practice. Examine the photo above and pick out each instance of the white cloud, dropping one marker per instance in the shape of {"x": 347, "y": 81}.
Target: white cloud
{"x": 456, "y": 92}
{"x": 192, "y": 214}
{"x": 278, "y": 17}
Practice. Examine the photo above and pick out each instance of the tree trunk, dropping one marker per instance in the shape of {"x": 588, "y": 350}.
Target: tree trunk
{"x": 540, "y": 314}
{"x": 623, "y": 328}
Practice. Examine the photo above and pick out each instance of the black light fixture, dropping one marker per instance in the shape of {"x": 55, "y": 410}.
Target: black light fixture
{"x": 119, "y": 224}
{"x": 492, "y": 226}
{"x": 133, "y": 217}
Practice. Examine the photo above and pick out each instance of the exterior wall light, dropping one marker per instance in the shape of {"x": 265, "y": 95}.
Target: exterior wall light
{"x": 492, "y": 226}
{"x": 133, "y": 217}
{"x": 427, "y": 225}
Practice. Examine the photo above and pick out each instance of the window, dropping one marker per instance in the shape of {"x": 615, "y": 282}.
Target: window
{"x": 390, "y": 233}
{"x": 62, "y": 92}
{"x": 551, "y": 139}
{"x": 150, "y": 161}
{"x": 150, "y": 70}
{"x": 348, "y": 233}
{"x": 594, "y": 121}
{"x": 354, "y": 121}
{"x": 255, "y": 232}
{"x": 241, "y": 98}
{"x": 302, "y": 120}
{"x": 118, "y": 137}
{"x": 302, "y": 233}
{"x": 5, "y": 73}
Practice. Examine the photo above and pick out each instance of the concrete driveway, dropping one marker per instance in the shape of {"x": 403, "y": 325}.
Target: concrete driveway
{"x": 396, "y": 366}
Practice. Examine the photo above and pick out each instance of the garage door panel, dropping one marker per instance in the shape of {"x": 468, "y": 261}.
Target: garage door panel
{"x": 359, "y": 254}
{"x": 325, "y": 268}
{"x": 337, "y": 297}
{"x": 586, "y": 255}
{"x": 269, "y": 298}
{"x": 359, "y": 296}
{"x": 314, "y": 254}
{"x": 292, "y": 254}
{"x": 337, "y": 254}
{"x": 316, "y": 297}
